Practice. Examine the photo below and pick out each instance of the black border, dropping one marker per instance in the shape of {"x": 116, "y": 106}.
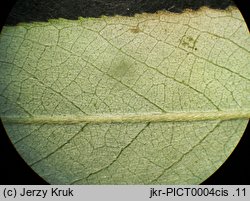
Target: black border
{"x": 13, "y": 169}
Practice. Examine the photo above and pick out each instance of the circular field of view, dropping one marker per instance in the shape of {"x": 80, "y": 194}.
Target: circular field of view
{"x": 132, "y": 98}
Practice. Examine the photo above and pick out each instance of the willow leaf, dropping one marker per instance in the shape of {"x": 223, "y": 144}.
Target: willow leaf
{"x": 152, "y": 99}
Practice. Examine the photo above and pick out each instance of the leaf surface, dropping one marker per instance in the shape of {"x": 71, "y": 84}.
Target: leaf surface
{"x": 151, "y": 99}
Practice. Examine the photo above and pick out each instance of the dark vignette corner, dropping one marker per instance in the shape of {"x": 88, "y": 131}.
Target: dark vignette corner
{"x": 14, "y": 169}
{"x": 236, "y": 168}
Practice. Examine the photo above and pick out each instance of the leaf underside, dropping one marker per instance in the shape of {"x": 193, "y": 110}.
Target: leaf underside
{"x": 164, "y": 64}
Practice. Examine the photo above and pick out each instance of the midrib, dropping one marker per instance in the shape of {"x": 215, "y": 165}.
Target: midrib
{"x": 127, "y": 118}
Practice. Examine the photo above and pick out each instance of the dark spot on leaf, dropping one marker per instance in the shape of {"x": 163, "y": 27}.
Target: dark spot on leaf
{"x": 135, "y": 29}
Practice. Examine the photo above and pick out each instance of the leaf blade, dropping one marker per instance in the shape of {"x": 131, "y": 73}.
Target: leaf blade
{"x": 156, "y": 98}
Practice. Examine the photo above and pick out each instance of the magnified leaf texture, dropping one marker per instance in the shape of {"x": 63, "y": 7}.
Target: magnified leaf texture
{"x": 158, "y": 98}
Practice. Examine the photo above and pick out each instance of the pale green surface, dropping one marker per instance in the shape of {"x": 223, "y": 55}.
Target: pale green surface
{"x": 157, "y": 63}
